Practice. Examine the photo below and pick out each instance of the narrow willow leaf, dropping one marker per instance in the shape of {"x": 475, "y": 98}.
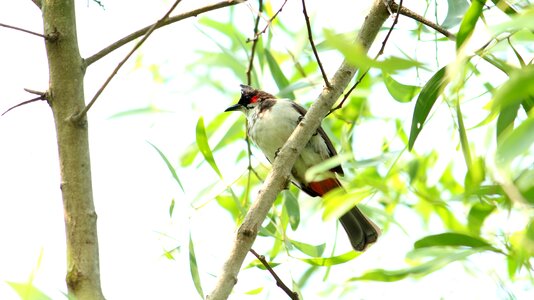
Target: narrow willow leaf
{"x": 293, "y": 210}
{"x": 417, "y": 271}
{"x": 355, "y": 55}
{"x": 477, "y": 215}
{"x": 194, "y": 268}
{"x": 451, "y": 239}
{"x": 469, "y": 21}
{"x": 464, "y": 142}
{"x": 254, "y": 291}
{"x": 330, "y": 261}
{"x": 428, "y": 96}
{"x": 505, "y": 121}
{"x": 169, "y": 166}
{"x": 400, "y": 92}
{"x": 310, "y": 250}
{"x": 171, "y": 208}
{"x": 204, "y": 147}
{"x": 338, "y": 202}
{"x": 138, "y": 111}
{"x": 316, "y": 172}
{"x": 455, "y": 11}
{"x": 515, "y": 143}
{"x": 28, "y": 291}
{"x": 278, "y": 75}
{"x": 518, "y": 88}
{"x": 525, "y": 20}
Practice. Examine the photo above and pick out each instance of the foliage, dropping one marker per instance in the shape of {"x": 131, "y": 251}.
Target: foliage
{"x": 451, "y": 198}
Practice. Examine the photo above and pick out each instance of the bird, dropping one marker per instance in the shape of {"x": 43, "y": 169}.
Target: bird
{"x": 271, "y": 121}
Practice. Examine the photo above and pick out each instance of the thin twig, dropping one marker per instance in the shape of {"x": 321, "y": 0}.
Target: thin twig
{"x": 37, "y": 2}
{"x": 24, "y": 30}
{"x": 39, "y": 98}
{"x": 380, "y": 52}
{"x": 147, "y": 34}
{"x": 312, "y": 43}
{"x": 269, "y": 22}
{"x": 279, "y": 282}
{"x": 412, "y": 15}
{"x": 132, "y": 36}
{"x": 254, "y": 43}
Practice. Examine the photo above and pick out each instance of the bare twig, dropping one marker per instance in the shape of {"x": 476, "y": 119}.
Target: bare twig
{"x": 412, "y": 15}
{"x": 268, "y": 23}
{"x": 282, "y": 165}
{"x": 24, "y": 30}
{"x": 41, "y": 96}
{"x": 292, "y": 295}
{"x": 132, "y": 36}
{"x": 380, "y": 52}
{"x": 37, "y": 2}
{"x": 312, "y": 43}
{"x": 254, "y": 43}
{"x": 147, "y": 34}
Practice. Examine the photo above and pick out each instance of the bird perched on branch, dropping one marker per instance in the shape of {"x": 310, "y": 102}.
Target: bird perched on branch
{"x": 270, "y": 123}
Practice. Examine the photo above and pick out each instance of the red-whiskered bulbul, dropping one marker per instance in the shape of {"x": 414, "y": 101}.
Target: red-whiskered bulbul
{"x": 270, "y": 123}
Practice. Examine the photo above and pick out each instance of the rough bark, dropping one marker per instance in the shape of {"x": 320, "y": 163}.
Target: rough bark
{"x": 66, "y": 97}
{"x": 277, "y": 178}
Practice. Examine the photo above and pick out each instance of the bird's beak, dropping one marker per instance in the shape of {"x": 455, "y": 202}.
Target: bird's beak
{"x": 234, "y": 107}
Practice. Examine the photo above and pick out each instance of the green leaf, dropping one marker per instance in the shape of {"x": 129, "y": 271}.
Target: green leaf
{"x": 278, "y": 75}
{"x": 525, "y": 20}
{"x": 204, "y": 147}
{"x": 330, "y": 261}
{"x": 451, "y": 239}
{"x": 505, "y": 121}
{"x": 356, "y": 55}
{"x": 138, "y": 111}
{"x": 428, "y": 96}
{"x": 516, "y": 143}
{"x": 293, "y": 210}
{"x": 194, "y": 268}
{"x": 477, "y": 214}
{"x": 310, "y": 250}
{"x": 169, "y": 166}
{"x": 469, "y": 21}
{"x": 416, "y": 271}
{"x": 27, "y": 291}
{"x": 171, "y": 208}
{"x": 455, "y": 12}
{"x": 254, "y": 291}
{"x": 518, "y": 88}
{"x": 339, "y": 201}
{"x": 400, "y": 92}
{"x": 321, "y": 170}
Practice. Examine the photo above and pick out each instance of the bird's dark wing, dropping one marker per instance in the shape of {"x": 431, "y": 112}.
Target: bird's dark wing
{"x": 331, "y": 150}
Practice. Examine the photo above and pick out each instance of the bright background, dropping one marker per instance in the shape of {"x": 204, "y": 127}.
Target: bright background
{"x": 133, "y": 188}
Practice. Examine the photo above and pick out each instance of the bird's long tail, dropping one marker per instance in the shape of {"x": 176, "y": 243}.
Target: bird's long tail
{"x": 362, "y": 232}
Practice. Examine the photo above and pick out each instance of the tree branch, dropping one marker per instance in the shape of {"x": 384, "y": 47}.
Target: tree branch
{"x": 312, "y": 43}
{"x": 253, "y": 49}
{"x": 292, "y": 295}
{"x": 80, "y": 115}
{"x": 132, "y": 36}
{"x": 412, "y": 15}
{"x": 37, "y": 2}
{"x": 282, "y": 165}
{"x": 23, "y": 30}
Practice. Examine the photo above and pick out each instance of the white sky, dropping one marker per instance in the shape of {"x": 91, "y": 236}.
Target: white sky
{"x": 133, "y": 188}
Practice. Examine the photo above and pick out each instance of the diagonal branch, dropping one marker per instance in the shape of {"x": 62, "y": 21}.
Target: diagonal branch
{"x": 282, "y": 165}
{"x": 312, "y": 43}
{"x": 253, "y": 49}
{"x": 23, "y": 30}
{"x": 80, "y": 115}
{"x": 412, "y": 15}
{"x": 132, "y": 36}
{"x": 292, "y": 295}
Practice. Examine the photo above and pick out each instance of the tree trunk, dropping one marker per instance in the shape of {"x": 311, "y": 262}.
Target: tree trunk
{"x": 66, "y": 97}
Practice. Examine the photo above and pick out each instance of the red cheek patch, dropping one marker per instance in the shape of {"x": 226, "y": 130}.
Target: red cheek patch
{"x": 254, "y": 99}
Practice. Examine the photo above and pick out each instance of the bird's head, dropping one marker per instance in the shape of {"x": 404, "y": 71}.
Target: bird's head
{"x": 250, "y": 98}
